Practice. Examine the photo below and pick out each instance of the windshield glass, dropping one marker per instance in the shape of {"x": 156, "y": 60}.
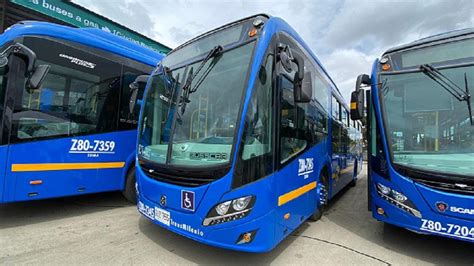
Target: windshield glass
{"x": 224, "y": 38}
{"x": 450, "y": 53}
{"x": 203, "y": 131}
{"x": 428, "y": 127}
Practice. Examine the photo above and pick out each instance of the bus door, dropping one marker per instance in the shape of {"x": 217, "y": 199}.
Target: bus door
{"x": 62, "y": 139}
{"x": 295, "y": 177}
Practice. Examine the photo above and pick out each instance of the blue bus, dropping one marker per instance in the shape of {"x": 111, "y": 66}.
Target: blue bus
{"x": 65, "y": 118}
{"x": 421, "y": 135}
{"x": 242, "y": 137}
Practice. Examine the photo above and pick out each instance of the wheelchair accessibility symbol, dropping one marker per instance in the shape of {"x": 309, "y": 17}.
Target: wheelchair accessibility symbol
{"x": 187, "y": 200}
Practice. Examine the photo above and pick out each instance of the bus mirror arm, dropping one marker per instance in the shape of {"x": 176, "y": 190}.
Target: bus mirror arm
{"x": 357, "y": 97}
{"x": 21, "y": 51}
{"x": 35, "y": 74}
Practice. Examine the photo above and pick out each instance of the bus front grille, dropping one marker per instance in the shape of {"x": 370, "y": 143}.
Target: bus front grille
{"x": 456, "y": 188}
{"x": 191, "y": 178}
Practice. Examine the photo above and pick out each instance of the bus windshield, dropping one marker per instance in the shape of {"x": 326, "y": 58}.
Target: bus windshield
{"x": 428, "y": 128}
{"x": 201, "y": 126}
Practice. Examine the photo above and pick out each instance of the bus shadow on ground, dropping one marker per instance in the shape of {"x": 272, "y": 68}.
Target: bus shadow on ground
{"x": 38, "y": 211}
{"x": 349, "y": 210}
{"x": 199, "y": 253}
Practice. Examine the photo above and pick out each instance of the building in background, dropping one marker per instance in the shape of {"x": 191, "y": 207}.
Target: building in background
{"x": 70, "y": 14}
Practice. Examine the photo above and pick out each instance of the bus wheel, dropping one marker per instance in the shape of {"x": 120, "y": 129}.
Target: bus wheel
{"x": 323, "y": 197}
{"x": 353, "y": 183}
{"x": 129, "y": 192}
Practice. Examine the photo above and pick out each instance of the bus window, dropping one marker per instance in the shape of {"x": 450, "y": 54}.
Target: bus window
{"x": 256, "y": 157}
{"x": 336, "y": 136}
{"x": 320, "y": 90}
{"x": 335, "y": 109}
{"x": 345, "y": 140}
{"x": 344, "y": 115}
{"x": 318, "y": 109}
{"x": 78, "y": 96}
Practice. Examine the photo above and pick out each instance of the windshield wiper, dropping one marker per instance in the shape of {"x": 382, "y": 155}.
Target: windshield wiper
{"x": 450, "y": 86}
{"x": 215, "y": 52}
{"x": 167, "y": 79}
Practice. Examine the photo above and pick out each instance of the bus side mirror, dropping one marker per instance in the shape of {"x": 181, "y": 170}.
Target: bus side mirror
{"x": 357, "y": 97}
{"x": 303, "y": 88}
{"x": 304, "y": 92}
{"x": 37, "y": 77}
{"x": 134, "y": 88}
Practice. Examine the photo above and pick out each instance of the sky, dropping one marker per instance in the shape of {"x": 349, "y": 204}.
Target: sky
{"x": 347, "y": 36}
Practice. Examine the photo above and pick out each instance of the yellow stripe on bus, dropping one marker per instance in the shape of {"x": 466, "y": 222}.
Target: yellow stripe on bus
{"x": 295, "y": 193}
{"x": 64, "y": 166}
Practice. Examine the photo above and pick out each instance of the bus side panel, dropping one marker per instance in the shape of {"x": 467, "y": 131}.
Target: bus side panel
{"x": 3, "y": 169}
{"x": 297, "y": 195}
{"x": 68, "y": 166}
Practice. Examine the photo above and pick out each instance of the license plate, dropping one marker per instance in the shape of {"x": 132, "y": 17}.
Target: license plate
{"x": 162, "y": 216}
{"x": 449, "y": 229}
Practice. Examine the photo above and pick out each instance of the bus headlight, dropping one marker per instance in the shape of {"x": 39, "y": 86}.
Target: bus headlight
{"x": 230, "y": 210}
{"x": 222, "y": 208}
{"x": 399, "y": 196}
{"x": 398, "y": 199}
{"x": 241, "y": 203}
{"x": 384, "y": 189}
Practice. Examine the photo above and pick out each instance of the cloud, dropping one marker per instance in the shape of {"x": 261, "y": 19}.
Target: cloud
{"x": 372, "y": 27}
{"x": 344, "y": 65}
{"x": 347, "y": 35}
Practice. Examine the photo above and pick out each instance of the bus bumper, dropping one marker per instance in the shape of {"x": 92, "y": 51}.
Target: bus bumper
{"x": 228, "y": 236}
{"x": 429, "y": 222}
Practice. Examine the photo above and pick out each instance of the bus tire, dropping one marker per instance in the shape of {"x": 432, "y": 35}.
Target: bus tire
{"x": 129, "y": 192}
{"x": 318, "y": 213}
{"x": 353, "y": 183}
